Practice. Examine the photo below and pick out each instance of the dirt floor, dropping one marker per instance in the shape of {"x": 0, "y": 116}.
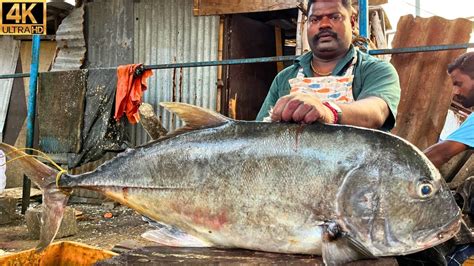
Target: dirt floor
{"x": 94, "y": 229}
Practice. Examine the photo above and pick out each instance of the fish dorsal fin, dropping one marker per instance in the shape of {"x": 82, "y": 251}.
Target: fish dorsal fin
{"x": 195, "y": 117}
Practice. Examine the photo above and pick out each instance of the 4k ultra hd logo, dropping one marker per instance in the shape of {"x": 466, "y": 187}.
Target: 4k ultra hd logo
{"x": 22, "y": 17}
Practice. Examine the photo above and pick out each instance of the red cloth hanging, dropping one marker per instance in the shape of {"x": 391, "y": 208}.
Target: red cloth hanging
{"x": 129, "y": 91}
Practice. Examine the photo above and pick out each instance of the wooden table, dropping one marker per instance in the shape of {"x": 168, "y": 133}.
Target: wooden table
{"x": 159, "y": 255}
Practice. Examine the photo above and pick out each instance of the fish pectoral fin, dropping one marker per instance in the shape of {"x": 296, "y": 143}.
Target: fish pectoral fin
{"x": 339, "y": 248}
{"x": 195, "y": 117}
{"x": 341, "y": 251}
{"x": 171, "y": 236}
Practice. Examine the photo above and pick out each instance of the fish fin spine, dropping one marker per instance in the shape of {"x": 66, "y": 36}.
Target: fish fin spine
{"x": 195, "y": 117}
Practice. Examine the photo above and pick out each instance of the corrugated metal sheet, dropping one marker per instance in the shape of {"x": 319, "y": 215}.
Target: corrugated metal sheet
{"x": 426, "y": 87}
{"x": 109, "y": 33}
{"x": 8, "y": 60}
{"x": 165, "y": 32}
{"x": 70, "y": 42}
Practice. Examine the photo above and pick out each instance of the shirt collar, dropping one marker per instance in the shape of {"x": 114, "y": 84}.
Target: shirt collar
{"x": 305, "y": 60}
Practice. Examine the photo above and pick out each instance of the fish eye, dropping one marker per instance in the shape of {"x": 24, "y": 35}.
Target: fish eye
{"x": 425, "y": 189}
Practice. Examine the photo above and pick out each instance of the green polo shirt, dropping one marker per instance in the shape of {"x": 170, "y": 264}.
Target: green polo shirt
{"x": 372, "y": 77}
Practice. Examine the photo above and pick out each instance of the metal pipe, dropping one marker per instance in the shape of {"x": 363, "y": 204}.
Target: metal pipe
{"x": 417, "y": 8}
{"x": 364, "y": 18}
{"x": 16, "y": 75}
{"x": 416, "y": 49}
{"x": 30, "y": 122}
{"x": 225, "y": 62}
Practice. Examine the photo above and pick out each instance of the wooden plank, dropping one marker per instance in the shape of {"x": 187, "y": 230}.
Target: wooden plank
{"x": 371, "y": 2}
{"x": 300, "y": 32}
{"x": 150, "y": 122}
{"x": 219, "y": 7}
{"x": 278, "y": 47}
{"x": 451, "y": 168}
{"x": 156, "y": 255}
{"x": 466, "y": 171}
{"x": 220, "y": 56}
{"x": 16, "y": 193}
{"x": 377, "y": 30}
{"x": 426, "y": 87}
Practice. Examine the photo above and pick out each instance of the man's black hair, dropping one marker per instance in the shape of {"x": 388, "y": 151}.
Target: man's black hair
{"x": 465, "y": 64}
{"x": 346, "y": 3}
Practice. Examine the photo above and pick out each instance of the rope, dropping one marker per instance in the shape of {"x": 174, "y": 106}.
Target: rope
{"x": 42, "y": 156}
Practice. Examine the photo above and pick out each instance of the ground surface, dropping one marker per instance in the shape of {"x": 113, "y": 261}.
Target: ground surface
{"x": 94, "y": 229}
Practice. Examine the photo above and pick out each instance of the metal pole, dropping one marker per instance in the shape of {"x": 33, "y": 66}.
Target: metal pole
{"x": 416, "y": 49}
{"x": 225, "y": 62}
{"x": 30, "y": 122}
{"x": 364, "y": 18}
{"x": 418, "y": 8}
{"x": 419, "y": 49}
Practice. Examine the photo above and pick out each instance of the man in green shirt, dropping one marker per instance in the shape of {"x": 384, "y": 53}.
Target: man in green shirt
{"x": 375, "y": 85}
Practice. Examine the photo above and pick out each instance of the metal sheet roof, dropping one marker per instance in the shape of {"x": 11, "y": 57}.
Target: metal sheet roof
{"x": 8, "y": 60}
{"x": 166, "y": 32}
{"x": 70, "y": 42}
{"x": 426, "y": 88}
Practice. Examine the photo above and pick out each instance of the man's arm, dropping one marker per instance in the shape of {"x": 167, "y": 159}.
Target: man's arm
{"x": 375, "y": 105}
{"x": 442, "y": 152}
{"x": 458, "y": 141}
{"x": 370, "y": 112}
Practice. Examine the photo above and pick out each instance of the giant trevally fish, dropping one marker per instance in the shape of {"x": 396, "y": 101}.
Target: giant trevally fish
{"x": 342, "y": 192}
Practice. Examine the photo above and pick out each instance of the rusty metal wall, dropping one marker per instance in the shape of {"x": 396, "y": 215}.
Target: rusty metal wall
{"x": 70, "y": 42}
{"x": 109, "y": 31}
{"x": 153, "y": 32}
{"x": 426, "y": 87}
{"x": 166, "y": 32}
{"x": 8, "y": 60}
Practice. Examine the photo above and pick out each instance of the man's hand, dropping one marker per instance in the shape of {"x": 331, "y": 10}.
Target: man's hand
{"x": 301, "y": 108}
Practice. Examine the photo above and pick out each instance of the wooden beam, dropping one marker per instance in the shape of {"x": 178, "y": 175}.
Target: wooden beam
{"x": 150, "y": 122}
{"x": 278, "y": 47}
{"x": 219, "y": 7}
{"x": 372, "y": 2}
{"x": 302, "y": 45}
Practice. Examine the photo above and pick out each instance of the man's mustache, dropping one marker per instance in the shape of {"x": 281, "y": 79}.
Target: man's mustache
{"x": 327, "y": 31}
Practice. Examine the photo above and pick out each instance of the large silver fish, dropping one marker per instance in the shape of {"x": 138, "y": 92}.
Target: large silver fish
{"x": 342, "y": 192}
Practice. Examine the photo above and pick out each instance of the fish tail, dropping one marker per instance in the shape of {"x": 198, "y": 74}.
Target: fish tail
{"x": 54, "y": 199}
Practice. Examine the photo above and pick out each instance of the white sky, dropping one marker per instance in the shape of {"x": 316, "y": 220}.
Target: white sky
{"x": 451, "y": 9}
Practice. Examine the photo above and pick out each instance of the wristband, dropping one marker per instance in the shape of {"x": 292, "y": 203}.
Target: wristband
{"x": 336, "y": 111}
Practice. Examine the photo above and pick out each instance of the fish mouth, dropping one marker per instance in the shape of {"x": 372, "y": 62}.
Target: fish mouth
{"x": 447, "y": 232}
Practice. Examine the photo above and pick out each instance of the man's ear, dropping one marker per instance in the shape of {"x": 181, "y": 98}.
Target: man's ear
{"x": 353, "y": 20}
